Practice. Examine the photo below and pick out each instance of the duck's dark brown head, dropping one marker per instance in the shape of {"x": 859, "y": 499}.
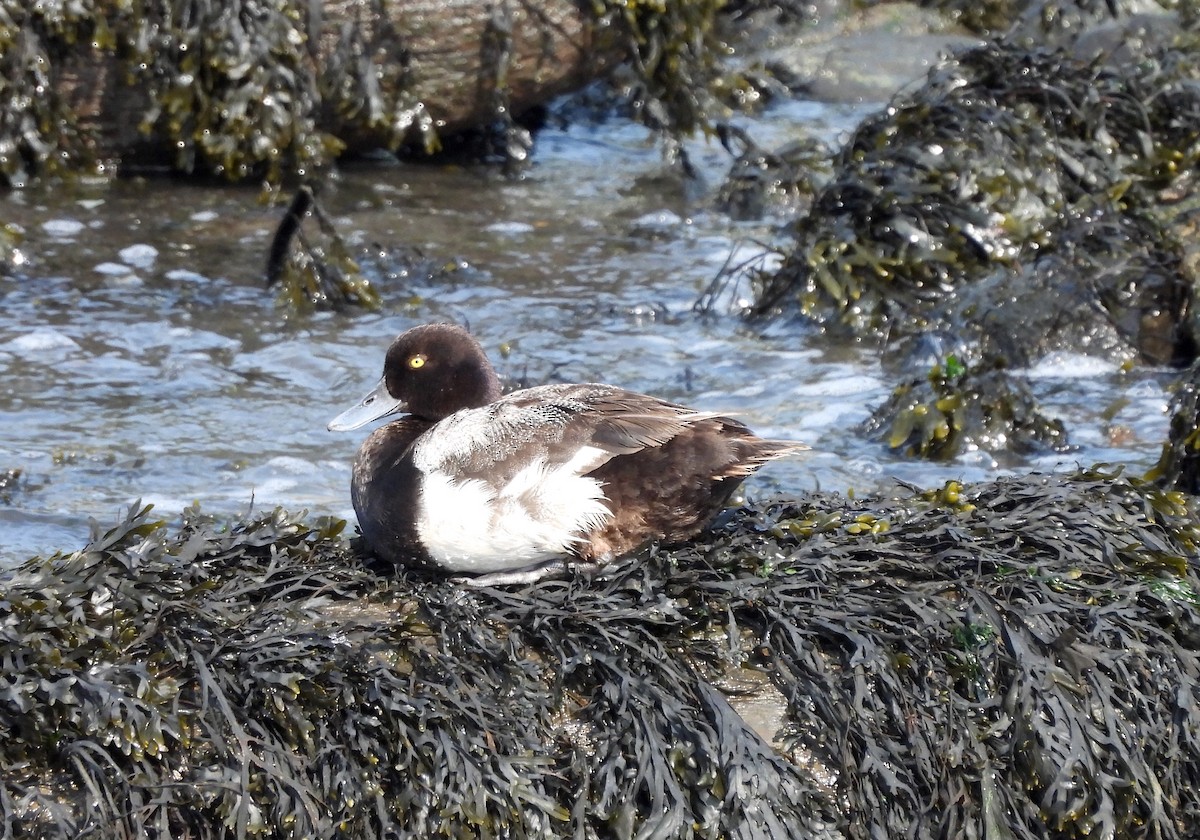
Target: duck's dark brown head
{"x": 430, "y": 372}
{"x": 438, "y": 369}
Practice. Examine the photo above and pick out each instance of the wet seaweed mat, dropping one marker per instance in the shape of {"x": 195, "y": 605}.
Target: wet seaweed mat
{"x": 1012, "y": 660}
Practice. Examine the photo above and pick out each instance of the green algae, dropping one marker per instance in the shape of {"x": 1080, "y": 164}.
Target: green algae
{"x": 673, "y": 49}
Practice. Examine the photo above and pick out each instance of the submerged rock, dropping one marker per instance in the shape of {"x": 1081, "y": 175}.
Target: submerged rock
{"x": 760, "y": 180}
{"x": 1012, "y": 659}
{"x": 866, "y": 55}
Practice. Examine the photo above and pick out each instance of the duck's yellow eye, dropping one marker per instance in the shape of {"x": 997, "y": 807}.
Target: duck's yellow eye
{"x": 417, "y": 361}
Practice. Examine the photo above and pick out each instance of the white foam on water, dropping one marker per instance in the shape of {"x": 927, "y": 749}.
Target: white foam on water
{"x": 63, "y": 228}
{"x": 139, "y": 255}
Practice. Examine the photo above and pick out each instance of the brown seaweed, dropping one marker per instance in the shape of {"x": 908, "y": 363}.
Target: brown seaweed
{"x": 1178, "y": 466}
{"x": 956, "y": 409}
{"x": 314, "y": 273}
{"x": 1034, "y": 175}
{"x": 1013, "y": 659}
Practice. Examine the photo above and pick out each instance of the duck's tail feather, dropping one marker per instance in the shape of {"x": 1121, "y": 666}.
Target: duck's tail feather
{"x": 755, "y": 452}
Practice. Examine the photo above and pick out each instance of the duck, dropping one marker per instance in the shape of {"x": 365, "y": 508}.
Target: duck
{"x": 509, "y": 488}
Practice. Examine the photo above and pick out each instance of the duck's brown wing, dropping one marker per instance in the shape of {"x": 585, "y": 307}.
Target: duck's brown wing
{"x": 624, "y": 422}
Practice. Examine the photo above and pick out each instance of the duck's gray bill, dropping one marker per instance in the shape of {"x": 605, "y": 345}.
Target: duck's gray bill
{"x": 378, "y": 403}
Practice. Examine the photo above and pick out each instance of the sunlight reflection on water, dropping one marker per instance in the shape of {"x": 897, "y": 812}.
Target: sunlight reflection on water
{"x": 141, "y": 356}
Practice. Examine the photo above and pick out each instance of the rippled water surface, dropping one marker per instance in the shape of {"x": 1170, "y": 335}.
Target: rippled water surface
{"x": 140, "y": 355}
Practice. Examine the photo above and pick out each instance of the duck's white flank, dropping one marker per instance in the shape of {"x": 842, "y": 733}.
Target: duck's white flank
{"x": 469, "y": 525}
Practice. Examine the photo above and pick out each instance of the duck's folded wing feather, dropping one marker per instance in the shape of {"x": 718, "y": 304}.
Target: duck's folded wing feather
{"x": 628, "y": 432}
{"x": 617, "y": 421}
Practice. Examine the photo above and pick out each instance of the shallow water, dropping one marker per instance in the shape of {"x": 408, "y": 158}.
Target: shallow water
{"x": 142, "y": 357}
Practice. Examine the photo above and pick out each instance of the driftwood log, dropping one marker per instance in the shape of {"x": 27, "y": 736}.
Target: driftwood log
{"x": 462, "y": 63}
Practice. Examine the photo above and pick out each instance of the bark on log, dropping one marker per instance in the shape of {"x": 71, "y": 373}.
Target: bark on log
{"x": 553, "y": 49}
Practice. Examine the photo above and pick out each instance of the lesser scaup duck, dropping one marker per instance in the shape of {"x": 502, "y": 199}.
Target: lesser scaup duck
{"x": 514, "y": 485}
